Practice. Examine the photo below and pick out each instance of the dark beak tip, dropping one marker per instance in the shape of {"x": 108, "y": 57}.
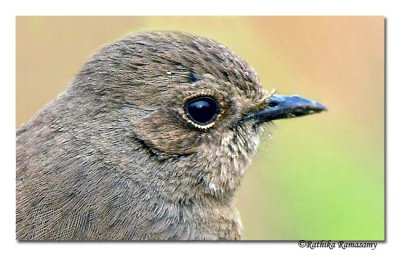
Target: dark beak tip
{"x": 308, "y": 107}
{"x": 319, "y": 107}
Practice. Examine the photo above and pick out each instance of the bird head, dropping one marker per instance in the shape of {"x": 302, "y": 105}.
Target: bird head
{"x": 192, "y": 104}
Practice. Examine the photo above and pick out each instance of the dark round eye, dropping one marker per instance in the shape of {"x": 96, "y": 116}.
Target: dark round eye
{"x": 202, "y": 110}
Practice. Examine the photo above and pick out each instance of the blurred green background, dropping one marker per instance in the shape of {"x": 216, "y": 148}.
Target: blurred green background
{"x": 318, "y": 177}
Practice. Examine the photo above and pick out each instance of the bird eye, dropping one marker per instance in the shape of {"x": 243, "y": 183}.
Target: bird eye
{"x": 202, "y": 110}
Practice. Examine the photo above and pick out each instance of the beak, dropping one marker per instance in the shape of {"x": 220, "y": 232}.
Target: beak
{"x": 282, "y": 106}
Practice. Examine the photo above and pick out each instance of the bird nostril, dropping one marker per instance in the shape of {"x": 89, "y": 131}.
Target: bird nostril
{"x": 272, "y": 103}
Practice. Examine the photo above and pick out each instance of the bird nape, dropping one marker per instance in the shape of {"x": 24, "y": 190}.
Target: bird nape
{"x": 150, "y": 141}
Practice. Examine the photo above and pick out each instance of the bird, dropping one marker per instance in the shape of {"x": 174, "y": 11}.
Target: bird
{"x": 150, "y": 141}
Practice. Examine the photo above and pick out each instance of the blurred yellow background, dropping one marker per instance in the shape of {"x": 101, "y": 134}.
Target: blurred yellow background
{"x": 319, "y": 177}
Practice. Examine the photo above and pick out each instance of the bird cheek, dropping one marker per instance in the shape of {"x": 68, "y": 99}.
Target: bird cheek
{"x": 159, "y": 132}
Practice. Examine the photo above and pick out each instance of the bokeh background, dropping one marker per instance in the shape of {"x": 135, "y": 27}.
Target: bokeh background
{"x": 318, "y": 177}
